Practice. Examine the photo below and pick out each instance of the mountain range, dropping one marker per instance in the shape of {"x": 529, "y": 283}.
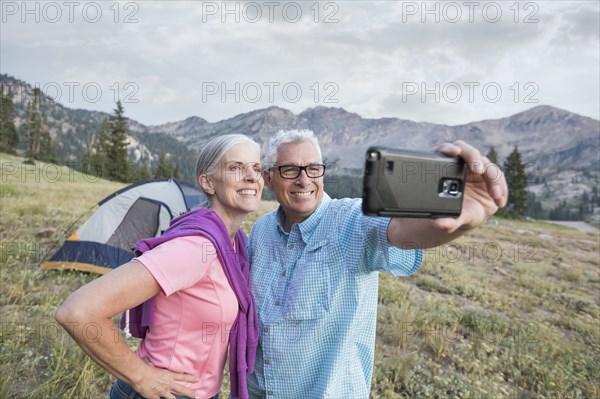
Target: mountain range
{"x": 561, "y": 148}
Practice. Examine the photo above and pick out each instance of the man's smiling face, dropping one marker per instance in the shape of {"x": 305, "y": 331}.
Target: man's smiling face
{"x": 298, "y": 197}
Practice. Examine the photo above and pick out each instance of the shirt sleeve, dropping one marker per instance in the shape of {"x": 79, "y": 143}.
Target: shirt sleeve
{"x": 366, "y": 239}
{"x": 179, "y": 263}
{"x": 382, "y": 256}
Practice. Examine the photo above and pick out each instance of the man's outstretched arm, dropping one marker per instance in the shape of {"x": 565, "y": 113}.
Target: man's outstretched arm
{"x": 485, "y": 191}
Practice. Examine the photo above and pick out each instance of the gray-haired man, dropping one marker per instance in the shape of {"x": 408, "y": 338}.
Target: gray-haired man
{"x": 315, "y": 264}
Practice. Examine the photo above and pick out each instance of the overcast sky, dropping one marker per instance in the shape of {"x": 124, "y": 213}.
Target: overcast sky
{"x": 445, "y": 62}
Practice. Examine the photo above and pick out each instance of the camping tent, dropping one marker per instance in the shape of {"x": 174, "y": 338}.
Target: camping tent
{"x": 138, "y": 211}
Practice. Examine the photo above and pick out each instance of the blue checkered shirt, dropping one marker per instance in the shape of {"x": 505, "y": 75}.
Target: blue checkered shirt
{"x": 316, "y": 296}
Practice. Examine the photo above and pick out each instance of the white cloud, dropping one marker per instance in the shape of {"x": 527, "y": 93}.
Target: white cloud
{"x": 373, "y": 50}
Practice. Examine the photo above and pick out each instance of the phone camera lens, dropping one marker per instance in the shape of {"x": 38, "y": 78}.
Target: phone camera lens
{"x": 453, "y": 188}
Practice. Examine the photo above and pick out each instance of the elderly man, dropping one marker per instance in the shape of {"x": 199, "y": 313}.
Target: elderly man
{"x": 314, "y": 270}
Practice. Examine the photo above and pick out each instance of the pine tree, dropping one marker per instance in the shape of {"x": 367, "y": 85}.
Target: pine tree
{"x": 95, "y": 160}
{"x": 534, "y": 207}
{"x": 514, "y": 171}
{"x": 38, "y": 140}
{"x": 8, "y": 132}
{"x": 103, "y": 144}
{"x": 563, "y": 211}
{"x": 47, "y": 149}
{"x": 118, "y": 167}
{"x": 32, "y": 129}
{"x": 492, "y": 155}
{"x": 164, "y": 168}
{"x": 87, "y": 162}
{"x": 142, "y": 172}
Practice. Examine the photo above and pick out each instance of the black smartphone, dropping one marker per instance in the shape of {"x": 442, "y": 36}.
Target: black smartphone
{"x": 403, "y": 183}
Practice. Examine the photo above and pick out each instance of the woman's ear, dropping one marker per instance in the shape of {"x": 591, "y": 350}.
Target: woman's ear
{"x": 206, "y": 183}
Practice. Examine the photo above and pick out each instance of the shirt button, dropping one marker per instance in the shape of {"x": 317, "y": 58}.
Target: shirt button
{"x": 283, "y": 273}
{"x": 267, "y": 361}
{"x": 266, "y": 329}
{"x": 270, "y": 393}
{"x": 291, "y": 246}
{"x": 277, "y": 303}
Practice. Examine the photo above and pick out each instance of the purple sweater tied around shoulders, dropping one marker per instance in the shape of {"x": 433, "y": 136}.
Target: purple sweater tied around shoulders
{"x": 244, "y": 332}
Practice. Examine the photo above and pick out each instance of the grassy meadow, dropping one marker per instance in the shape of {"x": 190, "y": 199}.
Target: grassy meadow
{"x": 509, "y": 311}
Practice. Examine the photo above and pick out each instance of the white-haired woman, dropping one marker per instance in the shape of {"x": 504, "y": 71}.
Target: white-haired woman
{"x": 192, "y": 284}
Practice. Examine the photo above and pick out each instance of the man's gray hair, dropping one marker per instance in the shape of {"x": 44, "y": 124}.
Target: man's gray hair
{"x": 212, "y": 152}
{"x": 291, "y": 137}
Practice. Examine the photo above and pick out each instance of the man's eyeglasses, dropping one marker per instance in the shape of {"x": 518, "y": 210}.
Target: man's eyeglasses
{"x": 293, "y": 171}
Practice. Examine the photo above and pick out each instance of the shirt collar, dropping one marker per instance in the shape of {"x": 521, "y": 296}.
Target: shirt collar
{"x": 307, "y": 227}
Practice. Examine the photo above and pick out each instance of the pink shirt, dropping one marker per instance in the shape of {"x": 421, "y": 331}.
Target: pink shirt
{"x": 193, "y": 313}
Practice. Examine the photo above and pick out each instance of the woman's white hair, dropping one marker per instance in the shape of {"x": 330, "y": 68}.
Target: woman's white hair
{"x": 291, "y": 136}
{"x": 212, "y": 152}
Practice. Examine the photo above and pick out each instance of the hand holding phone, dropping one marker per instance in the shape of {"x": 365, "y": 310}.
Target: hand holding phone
{"x": 403, "y": 183}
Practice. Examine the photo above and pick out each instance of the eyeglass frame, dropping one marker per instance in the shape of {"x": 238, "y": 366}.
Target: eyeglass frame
{"x": 242, "y": 173}
{"x": 300, "y": 169}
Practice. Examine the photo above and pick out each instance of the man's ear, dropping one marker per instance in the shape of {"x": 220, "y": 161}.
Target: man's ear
{"x": 268, "y": 177}
{"x": 206, "y": 183}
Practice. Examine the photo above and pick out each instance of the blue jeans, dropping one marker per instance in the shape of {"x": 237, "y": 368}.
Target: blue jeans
{"x": 122, "y": 390}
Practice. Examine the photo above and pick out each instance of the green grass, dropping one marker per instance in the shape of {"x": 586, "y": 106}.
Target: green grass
{"x": 469, "y": 324}
{"x": 524, "y": 324}
{"x": 39, "y": 360}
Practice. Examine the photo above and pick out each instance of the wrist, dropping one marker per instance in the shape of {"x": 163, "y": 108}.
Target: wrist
{"x": 139, "y": 372}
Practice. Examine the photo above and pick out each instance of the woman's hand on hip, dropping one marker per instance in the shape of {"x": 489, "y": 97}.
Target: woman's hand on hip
{"x": 159, "y": 383}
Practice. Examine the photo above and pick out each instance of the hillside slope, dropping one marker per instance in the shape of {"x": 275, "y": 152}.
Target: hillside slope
{"x": 560, "y": 148}
{"x": 511, "y": 310}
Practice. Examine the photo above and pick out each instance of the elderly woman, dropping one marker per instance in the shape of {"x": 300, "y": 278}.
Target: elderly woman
{"x": 194, "y": 282}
